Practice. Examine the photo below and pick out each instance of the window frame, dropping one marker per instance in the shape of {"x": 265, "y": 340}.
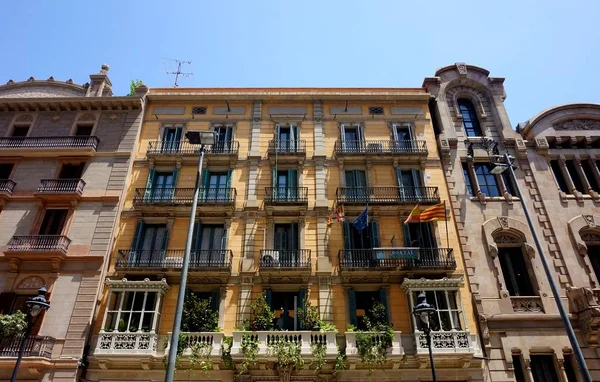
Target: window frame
{"x": 545, "y": 365}
{"x": 14, "y": 123}
{"x": 78, "y": 123}
{"x": 473, "y": 118}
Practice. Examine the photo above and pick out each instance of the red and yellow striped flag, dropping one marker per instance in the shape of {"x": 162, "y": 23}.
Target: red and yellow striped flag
{"x": 414, "y": 215}
{"x": 437, "y": 212}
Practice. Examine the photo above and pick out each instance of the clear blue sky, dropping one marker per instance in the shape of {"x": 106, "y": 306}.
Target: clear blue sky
{"x": 549, "y": 51}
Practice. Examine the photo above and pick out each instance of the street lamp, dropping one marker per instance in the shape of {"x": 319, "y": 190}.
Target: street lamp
{"x": 503, "y": 163}
{"x": 35, "y": 306}
{"x": 423, "y": 310}
{"x": 201, "y": 138}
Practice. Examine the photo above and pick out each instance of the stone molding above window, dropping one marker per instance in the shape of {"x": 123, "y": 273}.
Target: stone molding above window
{"x": 472, "y": 96}
{"x": 144, "y": 285}
{"x": 584, "y": 230}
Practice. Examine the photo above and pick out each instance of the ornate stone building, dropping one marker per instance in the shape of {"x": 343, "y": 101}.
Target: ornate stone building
{"x": 522, "y": 333}
{"x": 64, "y": 159}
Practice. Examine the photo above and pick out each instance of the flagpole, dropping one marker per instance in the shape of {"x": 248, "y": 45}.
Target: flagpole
{"x": 446, "y": 219}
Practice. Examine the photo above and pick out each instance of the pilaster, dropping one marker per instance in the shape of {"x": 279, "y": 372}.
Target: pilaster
{"x": 325, "y": 303}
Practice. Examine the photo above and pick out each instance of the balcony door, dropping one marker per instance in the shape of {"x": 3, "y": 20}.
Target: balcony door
{"x": 171, "y": 139}
{"x": 359, "y": 244}
{"x": 10, "y": 303}
{"x": 151, "y": 244}
{"x": 224, "y": 134}
{"x": 410, "y": 184}
{"x": 209, "y": 244}
{"x": 351, "y": 136}
{"x": 286, "y": 138}
{"x": 216, "y": 186}
{"x": 419, "y": 235}
{"x": 162, "y": 189}
{"x": 360, "y": 305}
{"x": 356, "y": 186}
{"x": 285, "y": 305}
{"x": 285, "y": 185}
{"x": 286, "y": 243}
{"x": 402, "y": 137}
{"x": 53, "y": 222}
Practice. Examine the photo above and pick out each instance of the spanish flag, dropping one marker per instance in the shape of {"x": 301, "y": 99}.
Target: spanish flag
{"x": 414, "y": 215}
{"x": 437, "y": 212}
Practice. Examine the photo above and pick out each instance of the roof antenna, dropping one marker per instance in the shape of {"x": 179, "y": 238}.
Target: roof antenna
{"x": 179, "y": 72}
{"x": 346, "y": 109}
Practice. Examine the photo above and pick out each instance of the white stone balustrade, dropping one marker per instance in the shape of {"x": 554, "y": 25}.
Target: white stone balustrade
{"x": 305, "y": 338}
{"x": 395, "y": 350}
{"x": 211, "y": 338}
{"x": 126, "y": 343}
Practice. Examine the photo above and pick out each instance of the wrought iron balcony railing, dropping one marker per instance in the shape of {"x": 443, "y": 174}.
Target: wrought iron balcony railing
{"x": 7, "y": 186}
{"x": 387, "y": 195}
{"x": 200, "y": 258}
{"x": 35, "y": 346}
{"x": 183, "y": 196}
{"x": 39, "y": 243}
{"x": 285, "y": 258}
{"x": 61, "y": 186}
{"x": 186, "y": 148}
{"x": 66, "y": 142}
{"x": 380, "y": 147}
{"x": 286, "y": 147}
{"x": 456, "y": 341}
{"x": 399, "y": 258}
{"x": 286, "y": 195}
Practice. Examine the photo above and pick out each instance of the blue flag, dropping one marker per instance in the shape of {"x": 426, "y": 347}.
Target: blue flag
{"x": 362, "y": 221}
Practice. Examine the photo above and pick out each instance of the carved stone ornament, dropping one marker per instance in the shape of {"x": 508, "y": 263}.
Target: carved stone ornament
{"x": 590, "y": 237}
{"x": 506, "y": 239}
{"x": 89, "y": 117}
{"x": 24, "y": 118}
{"x": 503, "y": 220}
{"x": 113, "y": 117}
{"x": 589, "y": 219}
{"x": 33, "y": 282}
{"x": 578, "y": 124}
{"x": 55, "y": 117}
{"x": 461, "y": 67}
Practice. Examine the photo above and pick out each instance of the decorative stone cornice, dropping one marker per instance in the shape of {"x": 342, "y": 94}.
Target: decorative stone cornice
{"x": 578, "y": 124}
{"x": 146, "y": 285}
{"x": 423, "y": 283}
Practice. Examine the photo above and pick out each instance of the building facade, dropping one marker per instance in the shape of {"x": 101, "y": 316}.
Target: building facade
{"x": 523, "y": 336}
{"x": 283, "y": 161}
{"x": 64, "y": 157}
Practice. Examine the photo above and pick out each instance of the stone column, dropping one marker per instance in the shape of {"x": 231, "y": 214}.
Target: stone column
{"x": 595, "y": 171}
{"x": 563, "y": 168}
{"x": 251, "y": 195}
{"x": 581, "y": 173}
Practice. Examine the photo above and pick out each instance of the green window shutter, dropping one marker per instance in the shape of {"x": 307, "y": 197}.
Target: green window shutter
{"x": 197, "y": 235}
{"x": 429, "y": 239}
{"x": 302, "y": 293}
{"x": 149, "y": 184}
{"x": 274, "y": 173}
{"x": 399, "y": 176}
{"x": 165, "y": 240}
{"x": 416, "y": 175}
{"x": 224, "y": 243}
{"x": 347, "y": 235}
{"x": 352, "y": 318}
{"x": 384, "y": 300}
{"x": 294, "y": 236}
{"x": 374, "y": 226}
{"x": 228, "y": 190}
{"x": 406, "y": 234}
{"x": 175, "y": 177}
{"x": 205, "y": 183}
{"x": 268, "y": 296}
{"x": 137, "y": 236}
{"x": 178, "y": 132}
{"x": 214, "y": 300}
{"x": 292, "y": 178}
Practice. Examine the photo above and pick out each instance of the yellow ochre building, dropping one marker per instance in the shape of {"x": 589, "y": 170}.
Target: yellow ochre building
{"x": 284, "y": 160}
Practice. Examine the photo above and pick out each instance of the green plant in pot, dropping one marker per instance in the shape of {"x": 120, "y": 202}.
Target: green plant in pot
{"x": 373, "y": 344}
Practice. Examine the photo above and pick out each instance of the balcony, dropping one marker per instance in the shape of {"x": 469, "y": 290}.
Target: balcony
{"x": 447, "y": 342}
{"x": 41, "y": 247}
{"x": 60, "y": 189}
{"x": 206, "y": 260}
{"x": 6, "y": 188}
{"x": 387, "y": 195}
{"x": 40, "y": 146}
{"x": 381, "y": 151}
{"x": 213, "y": 339}
{"x": 217, "y": 199}
{"x": 187, "y": 152}
{"x": 286, "y": 151}
{"x": 396, "y": 350}
{"x": 35, "y": 346}
{"x": 134, "y": 343}
{"x": 286, "y": 200}
{"x": 305, "y": 338}
{"x": 285, "y": 259}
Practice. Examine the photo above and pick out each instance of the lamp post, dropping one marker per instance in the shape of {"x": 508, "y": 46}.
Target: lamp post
{"x": 35, "y": 306}
{"x": 201, "y": 138}
{"x": 423, "y": 310}
{"x": 499, "y": 169}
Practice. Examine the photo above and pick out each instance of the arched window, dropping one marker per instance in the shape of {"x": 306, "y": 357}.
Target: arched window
{"x": 515, "y": 267}
{"x": 469, "y": 117}
{"x": 592, "y": 241}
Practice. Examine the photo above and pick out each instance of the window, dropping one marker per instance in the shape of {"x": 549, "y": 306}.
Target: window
{"x": 286, "y": 137}
{"x": 351, "y": 135}
{"x": 410, "y": 184}
{"x": 132, "y": 312}
{"x": 189, "y": 322}
{"x": 515, "y": 271}
{"x": 375, "y": 110}
{"x": 285, "y": 184}
{"x": 448, "y": 312}
{"x": 71, "y": 170}
{"x": 6, "y": 170}
{"x": 518, "y": 367}
{"x": 570, "y": 164}
{"x": 355, "y": 241}
{"x": 594, "y": 256}
{"x": 488, "y": 183}
{"x": 419, "y": 235}
{"x": 199, "y": 110}
{"x": 286, "y": 305}
{"x": 216, "y": 186}
{"x": 403, "y": 137}
{"x": 467, "y": 176}
{"x": 224, "y": 138}
{"x": 160, "y": 185}
{"x": 149, "y": 244}
{"x": 286, "y": 244}
{"x": 356, "y": 185}
{"x": 84, "y": 130}
{"x": 508, "y": 183}
{"x": 469, "y": 117}
{"x": 209, "y": 244}
{"x": 53, "y": 222}
{"x": 543, "y": 369}
{"x": 360, "y": 304}
{"x": 589, "y": 174}
{"x": 569, "y": 365}
{"x": 20, "y": 131}
{"x": 11, "y": 302}
{"x": 558, "y": 175}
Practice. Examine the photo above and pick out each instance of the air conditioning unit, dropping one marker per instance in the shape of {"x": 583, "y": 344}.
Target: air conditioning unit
{"x": 270, "y": 258}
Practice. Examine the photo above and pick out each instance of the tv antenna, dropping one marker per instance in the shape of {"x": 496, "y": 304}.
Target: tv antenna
{"x": 178, "y": 72}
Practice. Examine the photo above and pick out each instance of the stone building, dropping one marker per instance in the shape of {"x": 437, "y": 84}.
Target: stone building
{"x": 64, "y": 159}
{"x": 284, "y": 160}
{"x": 522, "y": 333}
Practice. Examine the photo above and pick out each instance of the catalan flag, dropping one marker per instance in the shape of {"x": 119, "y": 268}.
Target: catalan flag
{"x": 337, "y": 215}
{"x": 437, "y": 212}
{"x": 414, "y": 215}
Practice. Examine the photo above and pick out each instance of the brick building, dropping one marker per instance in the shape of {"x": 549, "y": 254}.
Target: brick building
{"x": 64, "y": 159}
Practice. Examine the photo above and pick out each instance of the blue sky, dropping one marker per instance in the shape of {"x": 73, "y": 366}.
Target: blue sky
{"x": 549, "y": 51}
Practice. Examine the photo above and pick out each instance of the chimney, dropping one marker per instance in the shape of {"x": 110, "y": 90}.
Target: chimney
{"x": 100, "y": 84}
